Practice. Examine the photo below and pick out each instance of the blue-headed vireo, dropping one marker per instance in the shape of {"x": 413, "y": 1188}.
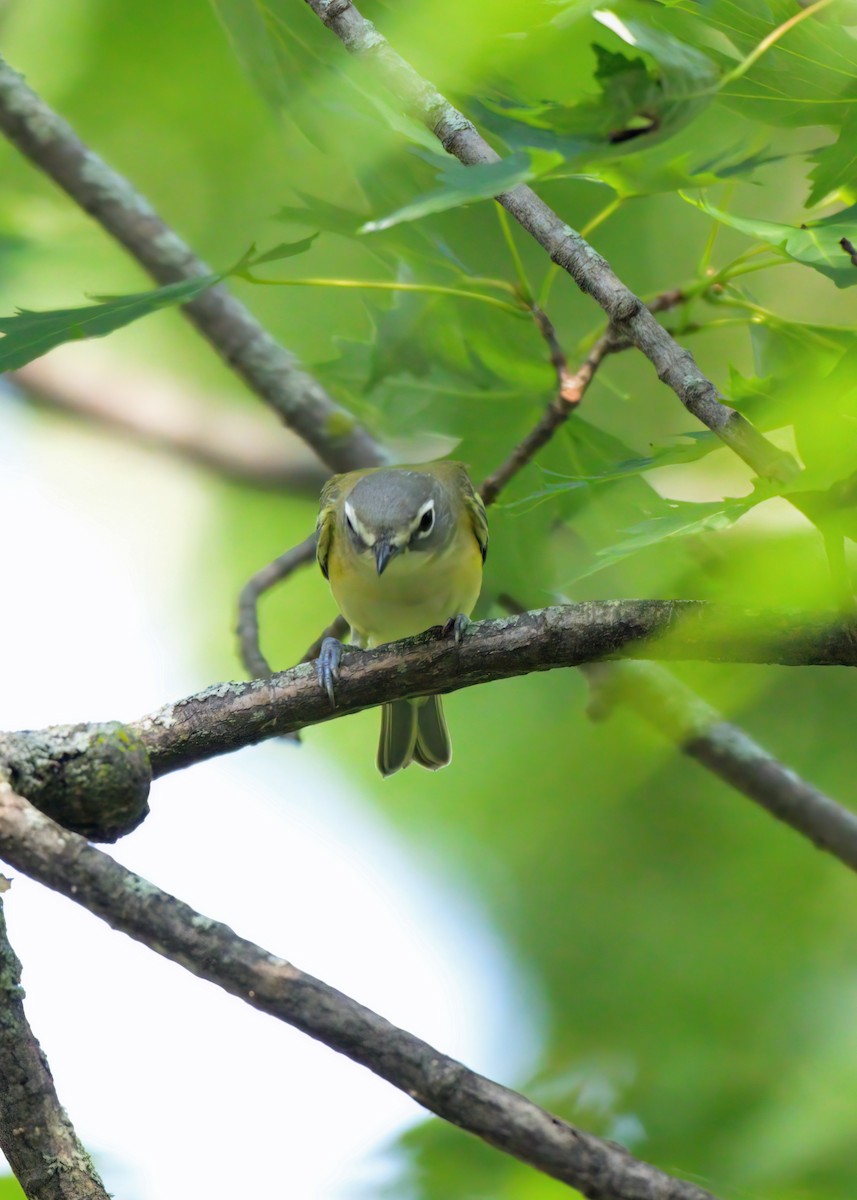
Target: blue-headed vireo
{"x": 403, "y": 549}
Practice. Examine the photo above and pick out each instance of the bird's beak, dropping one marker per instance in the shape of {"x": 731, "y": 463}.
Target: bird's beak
{"x": 384, "y": 551}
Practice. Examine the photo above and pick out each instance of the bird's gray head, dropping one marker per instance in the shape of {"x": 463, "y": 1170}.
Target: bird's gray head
{"x": 395, "y": 511}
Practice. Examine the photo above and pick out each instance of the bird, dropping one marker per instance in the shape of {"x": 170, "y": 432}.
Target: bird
{"x": 403, "y": 550}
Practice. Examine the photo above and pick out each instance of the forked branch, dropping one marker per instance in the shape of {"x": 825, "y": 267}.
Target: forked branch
{"x": 628, "y": 315}
{"x": 505, "y": 1119}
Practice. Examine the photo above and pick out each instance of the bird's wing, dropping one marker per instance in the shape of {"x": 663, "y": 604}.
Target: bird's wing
{"x": 326, "y": 523}
{"x": 476, "y": 511}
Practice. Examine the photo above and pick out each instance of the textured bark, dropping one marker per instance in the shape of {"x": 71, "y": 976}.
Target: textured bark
{"x": 700, "y": 731}
{"x": 230, "y": 715}
{"x": 94, "y": 779}
{"x": 35, "y": 1134}
{"x": 63, "y": 861}
{"x": 248, "y": 613}
{"x": 629, "y": 316}
{"x": 266, "y": 366}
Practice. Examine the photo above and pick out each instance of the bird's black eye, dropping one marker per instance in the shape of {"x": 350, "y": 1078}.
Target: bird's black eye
{"x": 426, "y": 521}
{"x": 349, "y": 522}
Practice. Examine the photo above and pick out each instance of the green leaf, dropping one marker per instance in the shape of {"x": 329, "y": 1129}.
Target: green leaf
{"x": 689, "y": 447}
{"x": 826, "y": 432}
{"x": 805, "y": 77}
{"x": 640, "y": 101}
{"x": 412, "y": 243}
{"x": 28, "y": 335}
{"x": 810, "y": 383}
{"x": 793, "y": 362}
{"x": 404, "y": 341}
{"x": 249, "y": 36}
{"x": 279, "y": 47}
{"x": 321, "y": 215}
{"x": 651, "y": 172}
{"x": 816, "y": 244}
{"x": 463, "y": 185}
{"x": 683, "y": 519}
{"x": 279, "y": 252}
{"x": 836, "y": 164}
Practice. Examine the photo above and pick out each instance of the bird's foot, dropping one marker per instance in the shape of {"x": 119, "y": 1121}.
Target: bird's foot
{"x": 456, "y": 626}
{"x": 327, "y": 666}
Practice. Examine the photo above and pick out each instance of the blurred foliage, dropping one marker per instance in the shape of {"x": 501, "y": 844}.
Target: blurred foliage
{"x": 695, "y": 960}
{"x": 29, "y": 335}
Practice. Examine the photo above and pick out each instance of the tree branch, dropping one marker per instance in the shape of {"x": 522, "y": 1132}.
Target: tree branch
{"x": 228, "y": 716}
{"x": 628, "y": 315}
{"x": 570, "y": 391}
{"x": 652, "y": 692}
{"x": 504, "y": 1119}
{"x": 35, "y": 1133}
{"x": 672, "y": 708}
{"x": 93, "y": 778}
{"x": 248, "y": 615}
{"x": 64, "y": 862}
{"x": 267, "y": 368}
{"x": 571, "y": 387}
{"x": 154, "y": 411}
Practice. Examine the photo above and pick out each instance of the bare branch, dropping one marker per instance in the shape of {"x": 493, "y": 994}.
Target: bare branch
{"x": 571, "y": 387}
{"x": 63, "y": 861}
{"x": 245, "y": 446}
{"x": 228, "y": 716}
{"x": 672, "y": 708}
{"x": 628, "y": 315}
{"x": 35, "y": 1133}
{"x": 93, "y": 778}
{"x": 657, "y": 697}
{"x": 570, "y": 390}
{"x": 248, "y": 615}
{"x": 267, "y": 368}
{"x": 281, "y": 568}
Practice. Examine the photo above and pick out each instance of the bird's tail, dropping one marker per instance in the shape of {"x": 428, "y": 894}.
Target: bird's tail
{"x": 413, "y": 731}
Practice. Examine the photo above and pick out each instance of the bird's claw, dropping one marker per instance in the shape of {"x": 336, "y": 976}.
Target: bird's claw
{"x": 456, "y": 625}
{"x": 327, "y": 666}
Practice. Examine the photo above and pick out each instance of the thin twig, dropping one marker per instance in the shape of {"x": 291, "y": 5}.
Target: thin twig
{"x": 571, "y": 387}
{"x": 627, "y": 314}
{"x": 267, "y": 368}
{"x": 657, "y": 697}
{"x": 569, "y": 393}
{"x": 36, "y": 1135}
{"x": 668, "y": 705}
{"x": 505, "y": 1119}
{"x": 248, "y": 615}
{"x": 247, "y": 628}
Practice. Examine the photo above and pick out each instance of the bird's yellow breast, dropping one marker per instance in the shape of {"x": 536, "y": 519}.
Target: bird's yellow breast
{"x": 418, "y": 589}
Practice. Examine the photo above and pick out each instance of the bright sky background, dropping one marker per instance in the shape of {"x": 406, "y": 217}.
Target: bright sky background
{"x": 178, "y": 1089}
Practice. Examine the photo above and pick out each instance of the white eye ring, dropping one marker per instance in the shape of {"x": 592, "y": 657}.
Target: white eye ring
{"x": 426, "y": 520}
{"x": 349, "y": 518}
